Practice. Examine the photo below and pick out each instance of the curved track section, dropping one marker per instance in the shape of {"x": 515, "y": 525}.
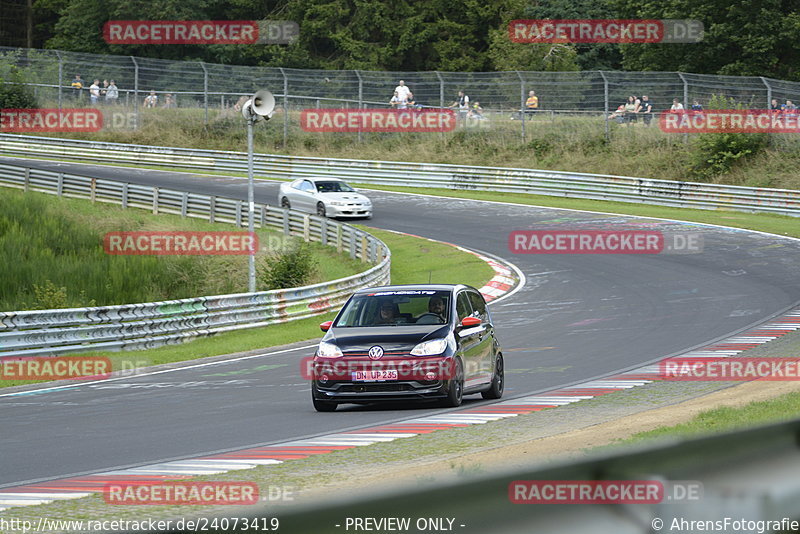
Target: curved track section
{"x": 578, "y": 318}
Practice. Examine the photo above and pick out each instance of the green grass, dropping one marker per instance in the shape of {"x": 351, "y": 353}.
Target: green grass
{"x": 413, "y": 260}
{"x": 569, "y": 143}
{"x": 783, "y": 408}
{"x": 51, "y": 256}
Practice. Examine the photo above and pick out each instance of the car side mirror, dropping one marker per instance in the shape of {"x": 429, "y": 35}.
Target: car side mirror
{"x": 469, "y": 322}
{"x": 325, "y": 326}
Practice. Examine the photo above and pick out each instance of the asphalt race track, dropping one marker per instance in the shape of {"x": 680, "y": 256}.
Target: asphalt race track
{"x": 579, "y": 317}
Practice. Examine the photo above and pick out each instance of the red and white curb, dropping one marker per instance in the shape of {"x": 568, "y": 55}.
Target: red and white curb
{"x": 82, "y": 486}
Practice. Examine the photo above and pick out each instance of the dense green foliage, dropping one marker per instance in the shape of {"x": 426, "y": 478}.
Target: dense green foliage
{"x": 290, "y": 268}
{"x": 749, "y": 38}
{"x": 12, "y": 94}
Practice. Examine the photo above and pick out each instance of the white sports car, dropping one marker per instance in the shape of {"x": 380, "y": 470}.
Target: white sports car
{"x": 327, "y": 197}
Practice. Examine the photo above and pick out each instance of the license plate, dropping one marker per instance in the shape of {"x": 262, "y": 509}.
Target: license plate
{"x": 374, "y": 376}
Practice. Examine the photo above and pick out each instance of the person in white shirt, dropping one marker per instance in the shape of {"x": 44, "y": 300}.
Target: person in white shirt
{"x": 112, "y": 93}
{"x": 402, "y": 90}
{"x": 94, "y": 92}
{"x": 398, "y": 102}
{"x": 676, "y": 106}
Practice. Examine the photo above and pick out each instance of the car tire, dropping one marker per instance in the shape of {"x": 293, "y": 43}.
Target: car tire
{"x": 285, "y": 203}
{"x": 455, "y": 387}
{"x": 498, "y": 381}
{"x": 320, "y": 209}
{"x": 320, "y": 405}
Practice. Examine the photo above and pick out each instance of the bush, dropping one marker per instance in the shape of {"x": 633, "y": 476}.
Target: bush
{"x": 713, "y": 154}
{"x": 13, "y": 95}
{"x": 292, "y": 268}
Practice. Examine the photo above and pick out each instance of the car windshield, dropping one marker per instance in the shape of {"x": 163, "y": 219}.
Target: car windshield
{"x": 396, "y": 308}
{"x": 334, "y": 187}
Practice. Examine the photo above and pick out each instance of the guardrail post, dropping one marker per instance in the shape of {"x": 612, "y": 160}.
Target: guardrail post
{"x": 125, "y": 196}
{"x": 155, "y": 201}
{"x": 211, "y": 209}
{"x": 287, "y": 230}
{"x": 60, "y": 185}
{"x": 239, "y": 214}
{"x": 339, "y": 239}
{"x": 324, "y": 232}
{"x": 184, "y": 204}
{"x": 263, "y": 213}
{"x": 306, "y": 228}
{"x": 364, "y": 249}
{"x": 352, "y": 245}
{"x": 27, "y": 179}
{"x": 93, "y": 189}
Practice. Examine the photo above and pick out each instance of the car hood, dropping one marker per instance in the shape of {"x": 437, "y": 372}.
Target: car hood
{"x": 391, "y": 338}
{"x": 343, "y": 197}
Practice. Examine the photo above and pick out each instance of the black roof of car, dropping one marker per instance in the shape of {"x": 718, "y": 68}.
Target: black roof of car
{"x": 406, "y": 287}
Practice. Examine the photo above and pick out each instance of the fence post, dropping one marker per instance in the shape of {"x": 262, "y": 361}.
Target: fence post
{"x": 60, "y": 185}
{"x": 522, "y": 103}
{"x": 93, "y": 190}
{"x": 205, "y": 91}
{"x": 285, "y": 107}
{"x": 605, "y": 103}
{"x": 360, "y": 99}
{"x": 136, "y": 92}
{"x": 27, "y": 179}
{"x": 324, "y": 232}
{"x": 441, "y": 94}
{"x": 60, "y": 77}
{"x": 125, "y": 196}
{"x": 184, "y": 204}
{"x": 239, "y": 213}
{"x": 685, "y": 101}
{"x": 155, "y": 201}
{"x": 769, "y": 91}
{"x": 211, "y": 209}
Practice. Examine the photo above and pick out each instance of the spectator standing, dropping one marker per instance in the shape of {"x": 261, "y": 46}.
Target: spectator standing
{"x": 462, "y": 103}
{"x": 631, "y": 109}
{"x": 647, "y": 109}
{"x": 151, "y": 100}
{"x": 398, "y": 102}
{"x": 774, "y": 106}
{"x": 112, "y": 93}
{"x": 169, "y": 101}
{"x": 531, "y": 104}
{"x": 402, "y": 90}
{"x": 789, "y": 108}
{"x": 94, "y": 92}
{"x": 696, "y": 106}
{"x": 676, "y": 105}
{"x": 77, "y": 85}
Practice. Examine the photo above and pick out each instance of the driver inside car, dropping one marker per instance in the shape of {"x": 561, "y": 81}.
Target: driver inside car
{"x": 435, "y": 314}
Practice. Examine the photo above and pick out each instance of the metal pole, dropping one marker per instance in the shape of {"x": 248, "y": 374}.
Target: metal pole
{"x": 769, "y": 91}
{"x": 205, "y": 90}
{"x": 360, "y": 98}
{"x": 136, "y": 92}
{"x": 685, "y": 102}
{"x": 522, "y": 102}
{"x": 441, "y": 94}
{"x": 60, "y": 77}
{"x": 605, "y": 103}
{"x": 285, "y": 107}
{"x": 251, "y": 277}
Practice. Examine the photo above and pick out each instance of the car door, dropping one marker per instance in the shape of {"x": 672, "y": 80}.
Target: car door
{"x": 485, "y": 335}
{"x": 306, "y": 198}
{"x": 468, "y": 341}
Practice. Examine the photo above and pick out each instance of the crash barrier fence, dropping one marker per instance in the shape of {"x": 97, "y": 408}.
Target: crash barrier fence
{"x": 422, "y": 175}
{"x": 207, "y": 85}
{"x": 742, "y": 481}
{"x": 138, "y": 326}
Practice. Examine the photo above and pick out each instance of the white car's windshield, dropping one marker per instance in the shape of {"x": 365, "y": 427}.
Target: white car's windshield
{"x": 396, "y": 308}
{"x": 334, "y": 187}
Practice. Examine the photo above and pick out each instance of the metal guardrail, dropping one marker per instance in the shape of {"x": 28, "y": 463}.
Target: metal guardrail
{"x": 494, "y": 179}
{"x": 748, "y": 476}
{"x": 136, "y": 326}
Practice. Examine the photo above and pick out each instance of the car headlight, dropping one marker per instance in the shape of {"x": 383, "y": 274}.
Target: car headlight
{"x": 329, "y": 350}
{"x": 430, "y": 348}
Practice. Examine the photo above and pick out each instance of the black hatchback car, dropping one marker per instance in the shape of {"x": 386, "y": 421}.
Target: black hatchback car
{"x": 408, "y": 342}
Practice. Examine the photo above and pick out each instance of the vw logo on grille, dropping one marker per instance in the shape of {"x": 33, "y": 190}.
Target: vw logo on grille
{"x": 376, "y": 352}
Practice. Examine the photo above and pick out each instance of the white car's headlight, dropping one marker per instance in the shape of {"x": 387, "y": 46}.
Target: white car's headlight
{"x": 430, "y": 348}
{"x": 329, "y": 350}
